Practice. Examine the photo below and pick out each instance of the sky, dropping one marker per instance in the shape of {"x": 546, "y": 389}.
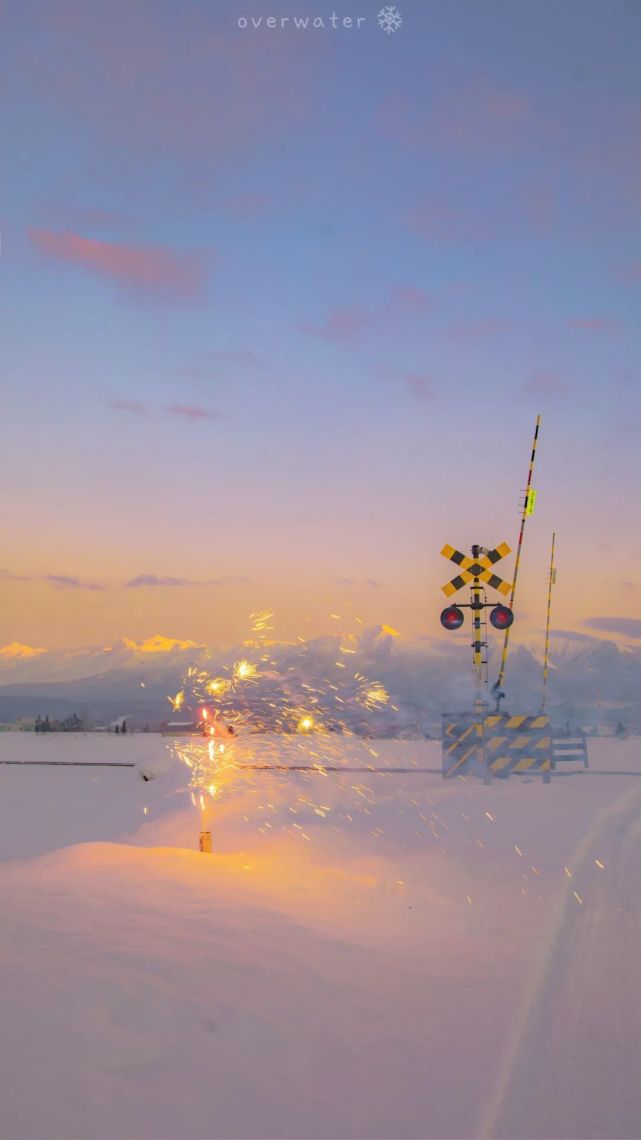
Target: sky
{"x": 280, "y": 306}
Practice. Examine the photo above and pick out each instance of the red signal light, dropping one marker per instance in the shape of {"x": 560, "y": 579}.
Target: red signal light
{"x": 501, "y": 617}
{"x": 452, "y": 618}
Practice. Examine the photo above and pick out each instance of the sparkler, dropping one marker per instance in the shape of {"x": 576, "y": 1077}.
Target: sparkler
{"x": 289, "y": 762}
{"x": 273, "y": 696}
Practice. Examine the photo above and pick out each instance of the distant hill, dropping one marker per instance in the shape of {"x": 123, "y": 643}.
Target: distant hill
{"x": 590, "y": 679}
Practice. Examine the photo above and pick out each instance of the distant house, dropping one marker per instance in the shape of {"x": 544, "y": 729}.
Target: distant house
{"x": 181, "y": 728}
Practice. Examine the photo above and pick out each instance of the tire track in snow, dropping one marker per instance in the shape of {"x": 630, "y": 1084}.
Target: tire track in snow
{"x": 574, "y": 1055}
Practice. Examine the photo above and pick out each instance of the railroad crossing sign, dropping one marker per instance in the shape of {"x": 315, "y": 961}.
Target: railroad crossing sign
{"x": 476, "y": 568}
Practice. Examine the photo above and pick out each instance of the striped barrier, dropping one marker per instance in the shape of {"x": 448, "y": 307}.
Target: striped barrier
{"x": 518, "y": 744}
{"x": 496, "y": 744}
{"x": 463, "y": 746}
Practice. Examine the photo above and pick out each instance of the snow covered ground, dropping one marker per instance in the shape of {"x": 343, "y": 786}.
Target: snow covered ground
{"x": 363, "y": 955}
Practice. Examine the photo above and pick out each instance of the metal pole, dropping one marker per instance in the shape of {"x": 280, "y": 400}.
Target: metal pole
{"x": 480, "y": 706}
{"x": 497, "y": 689}
{"x": 477, "y": 645}
{"x": 551, "y": 583}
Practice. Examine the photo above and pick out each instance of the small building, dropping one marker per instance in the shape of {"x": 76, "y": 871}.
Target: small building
{"x": 182, "y": 728}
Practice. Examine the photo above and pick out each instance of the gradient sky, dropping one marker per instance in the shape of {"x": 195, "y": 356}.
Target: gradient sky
{"x": 280, "y": 307}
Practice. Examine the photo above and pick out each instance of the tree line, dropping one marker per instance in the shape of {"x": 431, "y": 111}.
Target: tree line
{"x": 71, "y": 723}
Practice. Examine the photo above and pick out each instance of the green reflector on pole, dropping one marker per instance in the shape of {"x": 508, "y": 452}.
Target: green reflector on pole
{"x": 530, "y": 502}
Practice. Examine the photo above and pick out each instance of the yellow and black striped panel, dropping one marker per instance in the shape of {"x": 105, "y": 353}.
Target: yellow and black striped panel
{"x": 520, "y": 720}
{"x": 462, "y": 744}
{"x": 476, "y": 568}
{"x": 518, "y": 743}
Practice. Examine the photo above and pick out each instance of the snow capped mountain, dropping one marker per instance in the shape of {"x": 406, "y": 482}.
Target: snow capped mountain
{"x": 23, "y": 664}
{"x": 16, "y": 650}
{"x": 379, "y": 640}
{"x": 587, "y": 674}
{"x": 566, "y": 646}
{"x": 155, "y": 644}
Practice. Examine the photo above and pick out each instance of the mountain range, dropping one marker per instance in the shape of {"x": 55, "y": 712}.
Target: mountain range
{"x": 590, "y": 679}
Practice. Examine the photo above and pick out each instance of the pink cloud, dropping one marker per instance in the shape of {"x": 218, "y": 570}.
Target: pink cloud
{"x": 187, "y": 411}
{"x": 339, "y": 325}
{"x": 611, "y": 160}
{"x": 410, "y": 299}
{"x": 192, "y": 372}
{"x": 595, "y": 324}
{"x": 539, "y": 207}
{"x": 247, "y": 205}
{"x": 132, "y": 406}
{"x": 60, "y": 581}
{"x": 191, "y": 412}
{"x": 439, "y": 221}
{"x": 153, "y": 269}
{"x": 208, "y": 364}
{"x": 506, "y": 106}
{"x": 214, "y": 365}
{"x": 159, "y": 580}
{"x": 66, "y": 582}
{"x": 85, "y": 216}
{"x": 467, "y": 332}
{"x": 232, "y": 356}
{"x": 546, "y": 384}
{"x": 419, "y": 386}
{"x": 9, "y": 576}
{"x": 476, "y": 118}
{"x": 629, "y": 274}
{"x": 347, "y": 324}
{"x": 627, "y": 626}
{"x": 167, "y": 78}
{"x": 480, "y": 117}
{"x": 623, "y": 429}
{"x": 352, "y": 583}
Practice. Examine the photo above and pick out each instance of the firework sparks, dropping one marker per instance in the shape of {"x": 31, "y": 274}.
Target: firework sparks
{"x": 217, "y": 686}
{"x": 268, "y": 694}
{"x": 375, "y": 696}
{"x": 178, "y": 701}
{"x": 245, "y": 671}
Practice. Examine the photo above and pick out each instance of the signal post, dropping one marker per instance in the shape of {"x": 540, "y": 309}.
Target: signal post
{"x": 479, "y": 741}
{"x": 463, "y": 736}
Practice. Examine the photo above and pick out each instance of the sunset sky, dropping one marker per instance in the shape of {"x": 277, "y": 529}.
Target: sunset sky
{"x": 280, "y": 307}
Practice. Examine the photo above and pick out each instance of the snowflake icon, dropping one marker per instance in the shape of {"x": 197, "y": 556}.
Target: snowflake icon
{"x": 389, "y": 18}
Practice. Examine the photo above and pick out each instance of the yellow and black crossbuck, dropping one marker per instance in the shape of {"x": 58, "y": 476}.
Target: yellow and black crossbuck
{"x": 476, "y": 568}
